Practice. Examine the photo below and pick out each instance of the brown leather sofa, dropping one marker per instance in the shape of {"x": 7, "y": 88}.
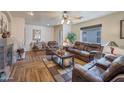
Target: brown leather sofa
{"x": 113, "y": 72}
{"x": 51, "y": 46}
{"x": 84, "y": 51}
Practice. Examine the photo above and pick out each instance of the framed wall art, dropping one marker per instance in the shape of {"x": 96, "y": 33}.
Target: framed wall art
{"x": 36, "y": 34}
{"x": 121, "y": 29}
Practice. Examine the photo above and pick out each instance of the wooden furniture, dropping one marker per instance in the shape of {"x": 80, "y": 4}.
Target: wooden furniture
{"x": 60, "y": 58}
{"x": 20, "y": 52}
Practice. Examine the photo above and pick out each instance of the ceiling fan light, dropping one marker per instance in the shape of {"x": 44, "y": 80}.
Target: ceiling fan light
{"x": 68, "y": 22}
{"x": 62, "y": 21}
{"x": 32, "y": 14}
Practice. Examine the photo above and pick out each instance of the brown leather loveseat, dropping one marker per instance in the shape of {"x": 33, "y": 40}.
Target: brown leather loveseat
{"x": 114, "y": 72}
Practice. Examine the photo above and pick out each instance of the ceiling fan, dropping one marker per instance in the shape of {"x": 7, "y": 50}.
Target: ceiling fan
{"x": 31, "y": 13}
{"x": 66, "y": 18}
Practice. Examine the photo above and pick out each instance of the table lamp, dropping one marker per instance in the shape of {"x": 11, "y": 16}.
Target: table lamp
{"x": 112, "y": 45}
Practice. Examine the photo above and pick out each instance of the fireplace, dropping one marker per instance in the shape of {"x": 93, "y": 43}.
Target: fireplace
{"x": 1, "y": 57}
{"x": 6, "y": 53}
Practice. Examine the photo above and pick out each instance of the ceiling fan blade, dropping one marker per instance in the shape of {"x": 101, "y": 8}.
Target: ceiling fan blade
{"x": 78, "y": 17}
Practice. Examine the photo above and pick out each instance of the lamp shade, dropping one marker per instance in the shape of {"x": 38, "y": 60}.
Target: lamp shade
{"x": 112, "y": 44}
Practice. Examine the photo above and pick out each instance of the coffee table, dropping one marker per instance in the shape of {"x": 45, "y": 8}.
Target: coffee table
{"x": 59, "y": 59}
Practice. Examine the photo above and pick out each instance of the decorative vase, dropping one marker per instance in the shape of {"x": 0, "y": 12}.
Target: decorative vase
{"x": 4, "y": 35}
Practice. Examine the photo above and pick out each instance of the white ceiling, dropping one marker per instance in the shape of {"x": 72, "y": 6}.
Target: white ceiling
{"x": 55, "y": 17}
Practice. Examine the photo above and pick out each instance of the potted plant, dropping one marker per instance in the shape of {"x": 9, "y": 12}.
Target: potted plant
{"x": 72, "y": 37}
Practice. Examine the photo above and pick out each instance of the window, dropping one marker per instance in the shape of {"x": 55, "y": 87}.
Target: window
{"x": 91, "y": 34}
{"x": 99, "y": 37}
{"x": 84, "y": 36}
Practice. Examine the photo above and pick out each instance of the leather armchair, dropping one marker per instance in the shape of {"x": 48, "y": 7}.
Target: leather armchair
{"x": 51, "y": 46}
{"x": 94, "y": 73}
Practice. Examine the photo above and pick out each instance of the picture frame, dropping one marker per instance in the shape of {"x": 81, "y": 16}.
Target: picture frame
{"x": 121, "y": 29}
{"x": 36, "y": 34}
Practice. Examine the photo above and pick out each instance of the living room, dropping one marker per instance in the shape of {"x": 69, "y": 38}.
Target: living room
{"x": 62, "y": 46}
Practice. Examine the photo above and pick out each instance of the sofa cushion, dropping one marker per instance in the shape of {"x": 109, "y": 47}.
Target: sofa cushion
{"x": 88, "y": 66}
{"x": 77, "y": 45}
{"x": 95, "y": 52}
{"x": 116, "y": 67}
{"x": 82, "y": 46}
{"x": 74, "y": 50}
{"x": 84, "y": 53}
{"x": 91, "y": 47}
{"x": 96, "y": 72}
{"x": 103, "y": 63}
{"x": 52, "y": 44}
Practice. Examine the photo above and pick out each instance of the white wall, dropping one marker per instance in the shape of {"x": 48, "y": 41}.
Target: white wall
{"x": 18, "y": 25}
{"x": 46, "y": 34}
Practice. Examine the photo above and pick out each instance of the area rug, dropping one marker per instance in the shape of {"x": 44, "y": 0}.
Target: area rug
{"x": 59, "y": 74}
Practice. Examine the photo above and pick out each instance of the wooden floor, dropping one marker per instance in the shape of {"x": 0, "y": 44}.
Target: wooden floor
{"x": 31, "y": 70}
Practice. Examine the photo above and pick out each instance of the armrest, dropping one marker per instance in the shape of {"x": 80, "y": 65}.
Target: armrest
{"x": 101, "y": 66}
{"x": 95, "y": 52}
{"x": 103, "y": 63}
{"x": 47, "y": 47}
{"x": 118, "y": 78}
{"x": 70, "y": 47}
{"x": 82, "y": 75}
{"x": 56, "y": 47}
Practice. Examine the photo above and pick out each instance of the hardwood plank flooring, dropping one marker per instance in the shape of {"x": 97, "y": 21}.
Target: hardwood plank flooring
{"x": 32, "y": 69}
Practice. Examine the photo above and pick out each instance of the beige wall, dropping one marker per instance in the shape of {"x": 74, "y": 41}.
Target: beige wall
{"x": 18, "y": 25}
{"x": 57, "y": 29}
{"x": 110, "y": 27}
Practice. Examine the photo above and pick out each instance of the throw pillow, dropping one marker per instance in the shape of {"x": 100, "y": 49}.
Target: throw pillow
{"x": 110, "y": 57}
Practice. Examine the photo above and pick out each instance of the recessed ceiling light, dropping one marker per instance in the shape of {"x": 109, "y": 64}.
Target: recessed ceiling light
{"x": 48, "y": 24}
